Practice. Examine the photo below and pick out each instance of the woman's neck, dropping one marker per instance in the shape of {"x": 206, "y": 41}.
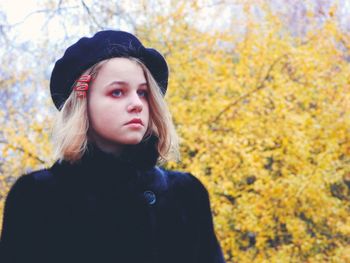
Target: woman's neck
{"x": 107, "y": 146}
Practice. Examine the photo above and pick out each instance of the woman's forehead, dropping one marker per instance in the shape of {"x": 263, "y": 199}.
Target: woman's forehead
{"x": 122, "y": 69}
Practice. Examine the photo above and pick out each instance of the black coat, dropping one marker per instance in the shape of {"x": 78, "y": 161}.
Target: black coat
{"x": 105, "y": 209}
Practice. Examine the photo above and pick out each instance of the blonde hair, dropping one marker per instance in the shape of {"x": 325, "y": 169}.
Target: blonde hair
{"x": 70, "y": 129}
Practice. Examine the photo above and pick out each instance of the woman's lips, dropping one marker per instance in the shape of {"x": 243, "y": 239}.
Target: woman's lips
{"x": 135, "y": 122}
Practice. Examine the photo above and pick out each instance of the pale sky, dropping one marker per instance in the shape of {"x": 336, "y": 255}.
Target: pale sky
{"x": 17, "y": 11}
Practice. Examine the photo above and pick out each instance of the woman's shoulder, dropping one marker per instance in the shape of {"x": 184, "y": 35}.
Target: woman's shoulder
{"x": 30, "y": 182}
{"x": 25, "y": 191}
{"x": 182, "y": 180}
{"x": 186, "y": 189}
{"x": 35, "y": 177}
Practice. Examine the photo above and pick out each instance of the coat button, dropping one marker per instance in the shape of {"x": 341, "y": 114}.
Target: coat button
{"x": 150, "y": 197}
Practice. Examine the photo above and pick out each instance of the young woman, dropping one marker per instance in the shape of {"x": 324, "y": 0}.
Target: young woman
{"x": 105, "y": 199}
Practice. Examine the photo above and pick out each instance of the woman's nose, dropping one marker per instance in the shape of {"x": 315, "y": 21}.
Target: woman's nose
{"x": 135, "y": 104}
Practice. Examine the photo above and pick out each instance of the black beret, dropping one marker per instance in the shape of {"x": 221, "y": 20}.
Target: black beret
{"x": 103, "y": 45}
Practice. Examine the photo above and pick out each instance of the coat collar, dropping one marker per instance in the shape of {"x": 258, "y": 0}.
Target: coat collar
{"x": 99, "y": 167}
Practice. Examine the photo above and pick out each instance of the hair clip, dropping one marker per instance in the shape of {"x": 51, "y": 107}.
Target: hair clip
{"x": 82, "y": 85}
{"x": 85, "y": 78}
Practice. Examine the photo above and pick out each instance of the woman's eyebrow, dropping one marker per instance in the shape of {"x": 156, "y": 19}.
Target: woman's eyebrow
{"x": 117, "y": 82}
{"x": 124, "y": 83}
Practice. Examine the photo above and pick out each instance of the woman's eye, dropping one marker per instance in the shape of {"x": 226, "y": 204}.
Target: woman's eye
{"x": 117, "y": 93}
{"x": 142, "y": 93}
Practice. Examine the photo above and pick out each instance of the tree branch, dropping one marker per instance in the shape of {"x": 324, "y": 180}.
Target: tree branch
{"x": 90, "y": 14}
{"x": 259, "y": 87}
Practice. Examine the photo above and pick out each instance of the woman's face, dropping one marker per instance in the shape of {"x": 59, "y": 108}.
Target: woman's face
{"x": 117, "y": 97}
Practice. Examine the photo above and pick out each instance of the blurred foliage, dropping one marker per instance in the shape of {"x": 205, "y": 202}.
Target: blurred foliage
{"x": 260, "y": 99}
